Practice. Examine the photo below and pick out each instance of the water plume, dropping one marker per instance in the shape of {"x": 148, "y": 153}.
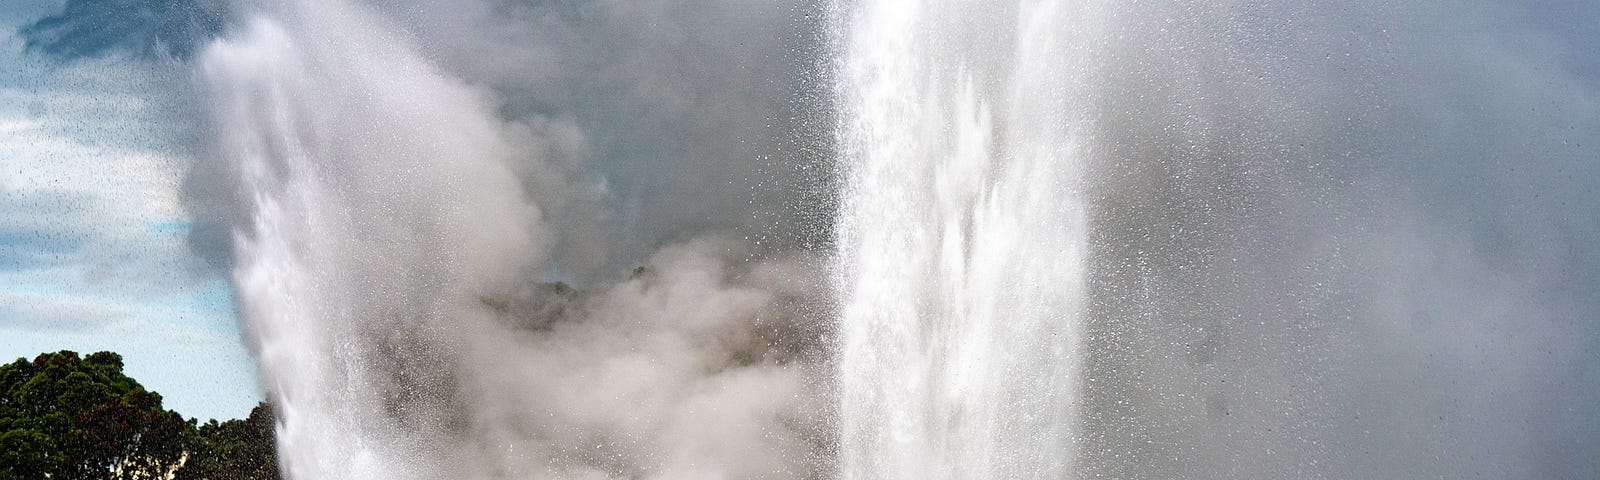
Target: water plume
{"x": 1064, "y": 239}
{"x": 386, "y": 257}
{"x": 962, "y": 239}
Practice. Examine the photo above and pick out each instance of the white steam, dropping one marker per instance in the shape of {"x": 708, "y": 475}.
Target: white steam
{"x": 385, "y": 256}
{"x": 1323, "y": 241}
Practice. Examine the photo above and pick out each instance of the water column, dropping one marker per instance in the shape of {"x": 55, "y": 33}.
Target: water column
{"x": 376, "y": 208}
{"x": 962, "y": 236}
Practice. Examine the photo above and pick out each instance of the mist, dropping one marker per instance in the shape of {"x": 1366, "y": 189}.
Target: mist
{"x": 602, "y": 239}
{"x": 1343, "y": 242}
{"x": 393, "y": 272}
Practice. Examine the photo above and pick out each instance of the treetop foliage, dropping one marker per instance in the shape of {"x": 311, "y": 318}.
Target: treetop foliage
{"x": 65, "y": 417}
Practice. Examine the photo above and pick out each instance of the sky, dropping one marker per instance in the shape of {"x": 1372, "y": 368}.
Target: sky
{"x": 93, "y": 232}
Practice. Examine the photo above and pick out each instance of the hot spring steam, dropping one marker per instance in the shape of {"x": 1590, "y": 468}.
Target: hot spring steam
{"x": 902, "y": 239}
{"x": 383, "y": 264}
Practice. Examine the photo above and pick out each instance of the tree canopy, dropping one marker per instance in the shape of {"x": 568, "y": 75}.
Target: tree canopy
{"x": 65, "y": 417}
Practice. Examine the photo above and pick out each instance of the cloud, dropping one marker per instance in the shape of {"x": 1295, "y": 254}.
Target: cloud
{"x": 57, "y": 312}
{"x": 89, "y": 209}
{"x": 34, "y": 233}
{"x": 141, "y": 28}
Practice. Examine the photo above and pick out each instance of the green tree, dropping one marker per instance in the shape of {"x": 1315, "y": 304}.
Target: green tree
{"x": 66, "y": 417}
{"x": 62, "y": 417}
{"x": 233, "y": 450}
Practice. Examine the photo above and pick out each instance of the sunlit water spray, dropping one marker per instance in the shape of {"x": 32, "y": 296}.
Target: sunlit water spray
{"x": 962, "y": 238}
{"x": 376, "y": 211}
{"x": 1249, "y": 311}
{"x": 378, "y": 214}
{"x": 387, "y": 267}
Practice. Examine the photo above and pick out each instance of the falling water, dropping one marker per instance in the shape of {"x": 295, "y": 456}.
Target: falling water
{"x": 963, "y": 237}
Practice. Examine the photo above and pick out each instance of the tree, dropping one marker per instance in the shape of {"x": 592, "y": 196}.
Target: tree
{"x": 65, "y": 417}
{"x": 233, "y": 450}
{"x": 62, "y": 417}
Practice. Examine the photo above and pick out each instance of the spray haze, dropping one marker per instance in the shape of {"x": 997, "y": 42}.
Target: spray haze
{"x": 384, "y": 252}
{"x": 962, "y": 240}
{"x": 902, "y": 239}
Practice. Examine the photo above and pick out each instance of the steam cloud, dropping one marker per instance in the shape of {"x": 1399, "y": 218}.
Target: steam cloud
{"x": 1338, "y": 242}
{"x": 387, "y": 264}
{"x": 1326, "y": 242}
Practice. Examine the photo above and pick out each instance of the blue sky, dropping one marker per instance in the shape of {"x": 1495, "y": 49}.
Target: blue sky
{"x": 92, "y": 230}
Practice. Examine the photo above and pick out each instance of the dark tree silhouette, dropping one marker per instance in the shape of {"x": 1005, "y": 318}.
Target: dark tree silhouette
{"x": 233, "y": 450}
{"x": 62, "y": 417}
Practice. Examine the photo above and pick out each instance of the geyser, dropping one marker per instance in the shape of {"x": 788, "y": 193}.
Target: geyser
{"x": 962, "y": 238}
{"x": 387, "y": 265}
{"x": 1073, "y": 239}
{"x": 375, "y": 212}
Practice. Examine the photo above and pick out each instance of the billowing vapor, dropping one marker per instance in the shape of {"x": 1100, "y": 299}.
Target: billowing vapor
{"x": 1336, "y": 241}
{"x": 695, "y": 367}
{"x": 388, "y": 266}
{"x": 1319, "y": 241}
{"x": 677, "y": 117}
